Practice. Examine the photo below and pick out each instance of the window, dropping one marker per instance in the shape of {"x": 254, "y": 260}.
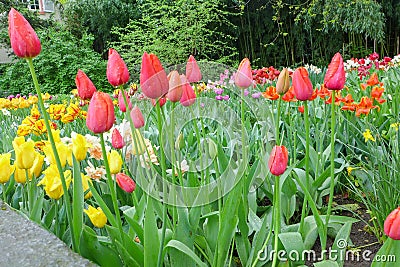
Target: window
{"x": 40, "y": 5}
{"x": 48, "y": 5}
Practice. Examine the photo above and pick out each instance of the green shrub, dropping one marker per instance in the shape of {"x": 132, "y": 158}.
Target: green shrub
{"x": 61, "y": 57}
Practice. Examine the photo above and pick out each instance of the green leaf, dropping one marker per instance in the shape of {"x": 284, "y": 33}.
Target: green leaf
{"x": 388, "y": 255}
{"x": 340, "y": 243}
{"x": 187, "y": 251}
{"x": 92, "y": 249}
{"x": 293, "y": 242}
{"x": 77, "y": 202}
{"x": 326, "y": 263}
{"x": 103, "y": 206}
{"x": 151, "y": 239}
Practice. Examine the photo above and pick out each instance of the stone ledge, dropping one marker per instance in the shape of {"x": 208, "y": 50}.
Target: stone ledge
{"x": 24, "y": 243}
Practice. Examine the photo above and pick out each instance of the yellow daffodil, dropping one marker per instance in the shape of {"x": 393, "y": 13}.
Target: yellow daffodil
{"x": 349, "y": 170}
{"x": 24, "y": 152}
{"x": 115, "y": 162}
{"x": 96, "y": 216}
{"x": 79, "y": 146}
{"x": 52, "y": 182}
{"x": 6, "y": 169}
{"x": 395, "y": 126}
{"x": 368, "y": 136}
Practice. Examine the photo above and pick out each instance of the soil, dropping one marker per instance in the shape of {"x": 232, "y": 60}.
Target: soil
{"x": 364, "y": 244}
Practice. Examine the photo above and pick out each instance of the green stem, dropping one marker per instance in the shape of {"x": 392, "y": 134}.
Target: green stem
{"x": 4, "y": 193}
{"x": 277, "y": 219}
{"x": 111, "y": 185}
{"x": 163, "y": 174}
{"x": 304, "y": 209}
{"x": 332, "y": 182}
{"x": 57, "y": 223}
{"x": 264, "y": 246}
{"x": 66, "y": 197}
{"x": 277, "y": 122}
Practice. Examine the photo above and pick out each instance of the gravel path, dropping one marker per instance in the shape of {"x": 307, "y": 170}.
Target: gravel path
{"x": 24, "y": 243}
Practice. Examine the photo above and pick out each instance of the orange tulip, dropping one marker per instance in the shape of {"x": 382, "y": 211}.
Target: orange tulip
{"x": 278, "y": 160}
{"x": 270, "y": 93}
{"x": 335, "y": 76}
{"x": 377, "y": 92}
{"x": 153, "y": 79}
{"x": 365, "y": 106}
{"x": 85, "y": 86}
{"x": 125, "y": 182}
{"x": 289, "y": 96}
{"x": 244, "y": 77}
{"x": 24, "y": 41}
{"x": 193, "y": 73}
{"x": 100, "y": 115}
{"x": 323, "y": 92}
{"x": 303, "y": 88}
{"x": 117, "y": 72}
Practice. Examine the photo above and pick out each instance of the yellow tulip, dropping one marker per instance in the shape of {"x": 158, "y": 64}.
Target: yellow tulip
{"x": 56, "y": 135}
{"x": 5, "y": 168}
{"x": 115, "y": 162}
{"x": 79, "y": 147}
{"x": 37, "y": 165}
{"x": 24, "y": 153}
{"x": 52, "y": 182}
{"x": 85, "y": 183}
{"x": 62, "y": 150}
{"x": 96, "y": 216}
{"x": 19, "y": 175}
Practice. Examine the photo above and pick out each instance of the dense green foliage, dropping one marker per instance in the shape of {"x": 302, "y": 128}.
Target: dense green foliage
{"x": 61, "y": 57}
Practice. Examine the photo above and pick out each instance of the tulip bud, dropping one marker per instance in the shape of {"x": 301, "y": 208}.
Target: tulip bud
{"x": 121, "y": 101}
{"x": 335, "y": 76}
{"x": 278, "y": 160}
{"x": 85, "y": 86}
{"x": 115, "y": 162}
{"x": 283, "y": 83}
{"x": 188, "y": 95}
{"x": 175, "y": 86}
{"x": 117, "y": 72}
{"x": 302, "y": 86}
{"x": 24, "y": 41}
{"x": 212, "y": 148}
{"x": 244, "y": 77}
{"x": 100, "y": 115}
{"x": 392, "y": 224}
{"x": 19, "y": 175}
{"x": 137, "y": 117}
{"x": 36, "y": 168}
{"x": 153, "y": 79}
{"x": 193, "y": 73}
{"x": 24, "y": 154}
{"x": 161, "y": 101}
{"x": 79, "y": 147}
{"x": 116, "y": 139}
{"x": 138, "y": 143}
{"x": 180, "y": 142}
{"x": 125, "y": 182}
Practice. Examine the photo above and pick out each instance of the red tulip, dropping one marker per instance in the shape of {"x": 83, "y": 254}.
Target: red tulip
{"x": 117, "y": 72}
{"x": 121, "y": 101}
{"x": 278, "y": 160}
{"x": 392, "y": 224}
{"x": 85, "y": 86}
{"x": 125, "y": 182}
{"x": 24, "y": 41}
{"x": 175, "y": 86}
{"x": 302, "y": 86}
{"x": 116, "y": 139}
{"x": 137, "y": 117}
{"x": 153, "y": 79}
{"x": 335, "y": 76}
{"x": 100, "y": 115}
{"x": 193, "y": 73}
{"x": 188, "y": 95}
{"x": 161, "y": 100}
{"x": 244, "y": 76}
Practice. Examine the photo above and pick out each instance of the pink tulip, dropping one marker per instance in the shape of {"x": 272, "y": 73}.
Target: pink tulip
{"x": 153, "y": 79}
{"x": 278, "y": 160}
{"x": 188, "y": 95}
{"x": 137, "y": 117}
{"x": 244, "y": 77}
{"x": 116, "y": 139}
{"x": 100, "y": 115}
{"x": 175, "y": 86}
{"x": 121, "y": 101}
{"x": 117, "y": 72}
{"x": 85, "y": 86}
{"x": 161, "y": 101}
{"x": 125, "y": 182}
{"x": 302, "y": 86}
{"x": 335, "y": 76}
{"x": 24, "y": 41}
{"x": 391, "y": 226}
{"x": 193, "y": 73}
